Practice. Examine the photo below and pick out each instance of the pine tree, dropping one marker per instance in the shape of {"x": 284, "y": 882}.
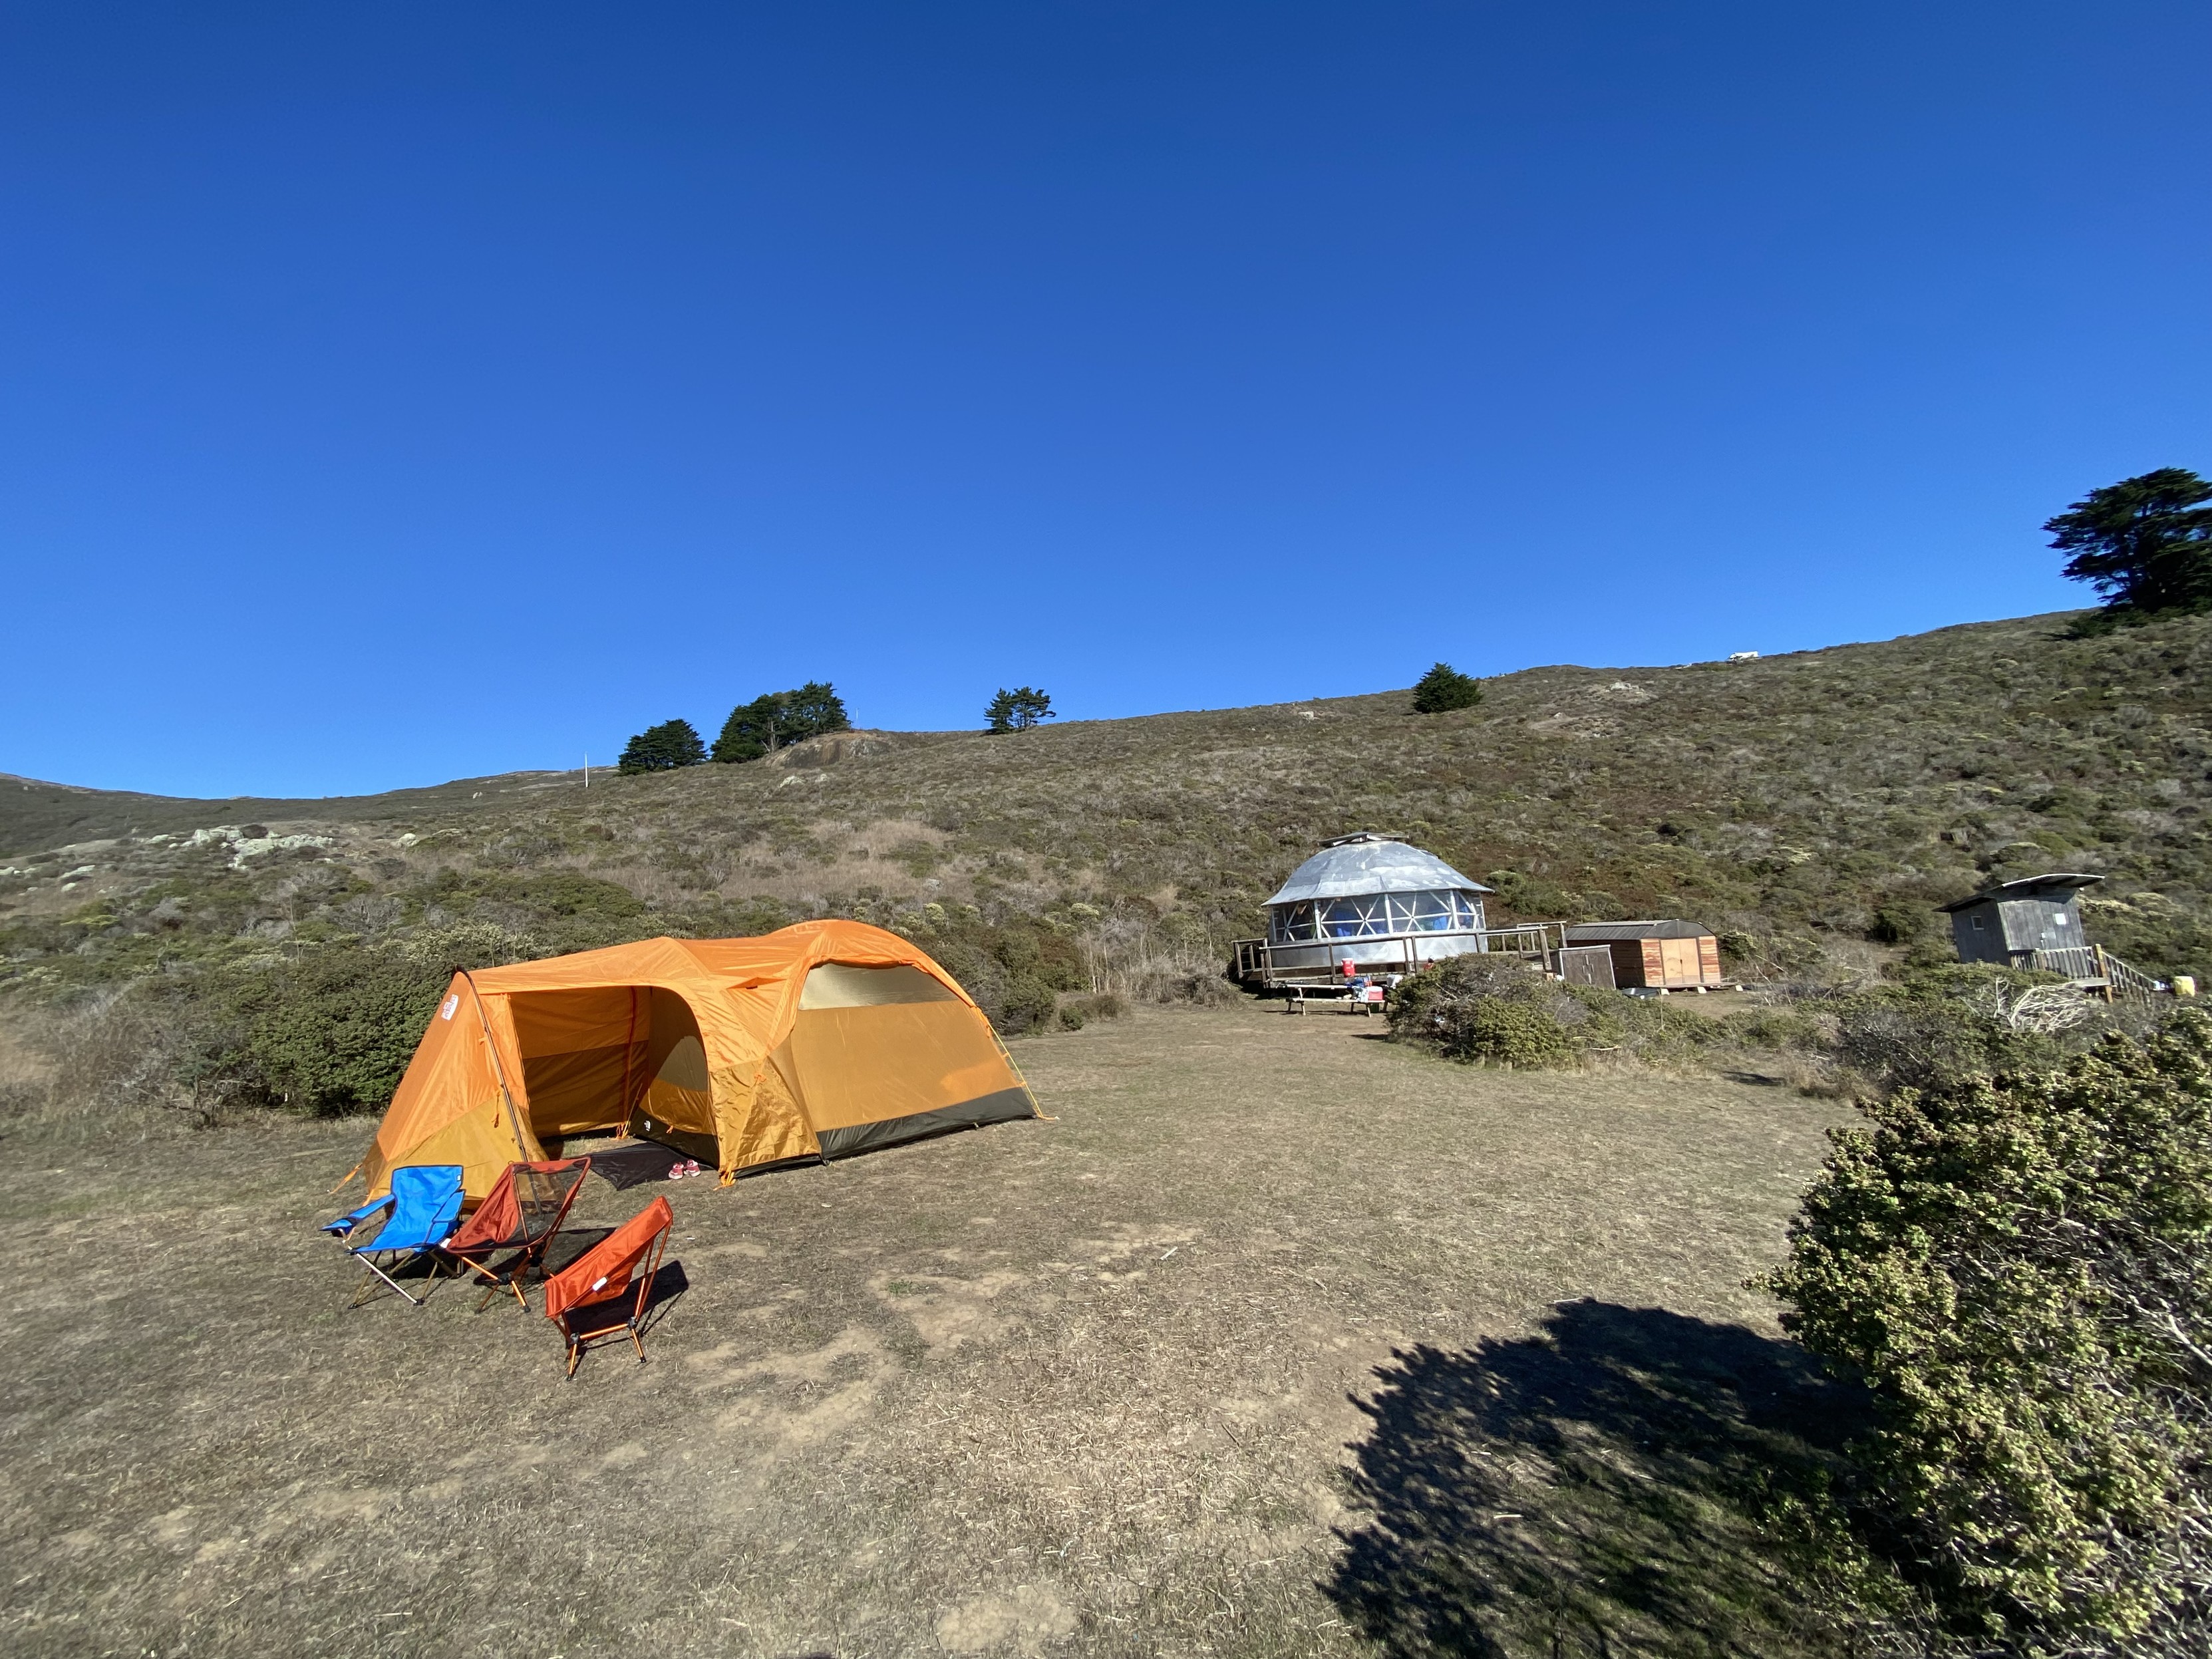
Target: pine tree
{"x": 1444, "y": 687}
{"x": 663, "y": 748}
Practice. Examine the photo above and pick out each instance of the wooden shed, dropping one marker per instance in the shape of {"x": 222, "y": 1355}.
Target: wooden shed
{"x": 1658, "y": 956}
{"x": 2032, "y": 923}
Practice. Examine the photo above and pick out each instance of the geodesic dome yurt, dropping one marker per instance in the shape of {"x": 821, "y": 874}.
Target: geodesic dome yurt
{"x": 1378, "y": 901}
{"x": 821, "y": 1039}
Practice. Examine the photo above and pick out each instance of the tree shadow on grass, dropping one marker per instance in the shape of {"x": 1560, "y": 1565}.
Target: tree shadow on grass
{"x": 1611, "y": 1486}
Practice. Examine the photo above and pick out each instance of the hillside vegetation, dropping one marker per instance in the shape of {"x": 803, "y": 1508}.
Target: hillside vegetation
{"x": 1813, "y": 808}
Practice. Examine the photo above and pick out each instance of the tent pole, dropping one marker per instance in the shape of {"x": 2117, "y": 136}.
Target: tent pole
{"x": 498, "y": 1069}
{"x": 629, "y": 1046}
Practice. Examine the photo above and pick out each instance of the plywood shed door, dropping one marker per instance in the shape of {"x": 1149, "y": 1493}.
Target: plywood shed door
{"x": 1678, "y": 962}
{"x": 1709, "y": 959}
{"x": 1587, "y": 964}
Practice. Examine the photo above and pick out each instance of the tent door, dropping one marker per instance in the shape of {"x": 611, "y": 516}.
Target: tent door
{"x": 705, "y": 1148}
{"x": 676, "y": 1108}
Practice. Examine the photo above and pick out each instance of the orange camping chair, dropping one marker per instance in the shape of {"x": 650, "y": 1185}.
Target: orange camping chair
{"x": 523, "y": 1211}
{"x": 590, "y": 1298}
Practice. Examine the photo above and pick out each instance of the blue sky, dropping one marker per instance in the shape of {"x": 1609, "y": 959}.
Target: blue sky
{"x": 395, "y": 392}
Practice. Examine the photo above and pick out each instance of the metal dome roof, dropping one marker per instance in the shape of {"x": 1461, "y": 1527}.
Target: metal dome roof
{"x": 1371, "y": 864}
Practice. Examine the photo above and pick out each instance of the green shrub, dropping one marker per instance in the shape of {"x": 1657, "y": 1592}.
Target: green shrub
{"x": 2017, "y": 1267}
{"x": 1487, "y": 1008}
{"x": 330, "y": 1034}
{"x": 1026, "y": 1005}
{"x": 1896, "y": 923}
{"x": 564, "y": 893}
{"x": 1513, "y": 1033}
{"x": 1099, "y": 1005}
{"x": 1498, "y": 1007}
{"x": 1943, "y": 1025}
{"x": 1789, "y": 1026}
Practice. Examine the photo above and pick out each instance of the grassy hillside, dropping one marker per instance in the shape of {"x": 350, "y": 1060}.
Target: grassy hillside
{"x": 1809, "y": 806}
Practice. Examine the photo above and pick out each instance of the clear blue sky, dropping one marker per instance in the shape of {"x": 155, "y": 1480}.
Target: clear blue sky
{"x": 396, "y": 391}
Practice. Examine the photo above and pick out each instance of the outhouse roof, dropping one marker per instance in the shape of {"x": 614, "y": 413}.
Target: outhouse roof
{"x": 2027, "y": 887}
{"x": 1604, "y": 932}
{"x": 1370, "y": 863}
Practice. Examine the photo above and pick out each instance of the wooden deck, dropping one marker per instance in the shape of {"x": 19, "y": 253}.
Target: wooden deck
{"x": 1255, "y": 963}
{"x": 2093, "y": 968}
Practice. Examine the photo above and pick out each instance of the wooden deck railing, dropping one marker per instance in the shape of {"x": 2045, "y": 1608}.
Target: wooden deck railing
{"x": 2076, "y": 962}
{"x": 2122, "y": 981}
{"x": 2092, "y": 965}
{"x": 1255, "y": 958}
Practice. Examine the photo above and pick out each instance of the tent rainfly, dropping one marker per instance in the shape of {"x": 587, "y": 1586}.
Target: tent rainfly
{"x": 821, "y": 1039}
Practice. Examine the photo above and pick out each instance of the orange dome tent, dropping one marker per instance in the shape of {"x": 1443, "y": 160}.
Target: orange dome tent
{"x": 824, "y": 1038}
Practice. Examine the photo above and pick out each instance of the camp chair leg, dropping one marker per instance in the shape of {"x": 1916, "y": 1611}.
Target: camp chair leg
{"x": 417, "y": 1300}
{"x": 495, "y": 1282}
{"x": 512, "y": 1283}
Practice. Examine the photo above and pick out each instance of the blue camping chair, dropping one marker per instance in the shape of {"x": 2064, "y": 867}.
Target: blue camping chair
{"x": 425, "y": 1201}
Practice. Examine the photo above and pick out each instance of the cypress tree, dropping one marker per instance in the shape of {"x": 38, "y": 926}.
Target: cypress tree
{"x": 776, "y": 720}
{"x": 1444, "y": 687}
{"x": 663, "y": 748}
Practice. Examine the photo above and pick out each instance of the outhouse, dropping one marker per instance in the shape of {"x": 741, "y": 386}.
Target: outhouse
{"x": 1657, "y": 955}
{"x": 2017, "y": 923}
{"x": 1376, "y": 901}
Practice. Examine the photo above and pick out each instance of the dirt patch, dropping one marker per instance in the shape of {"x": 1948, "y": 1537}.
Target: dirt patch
{"x": 1135, "y": 1382}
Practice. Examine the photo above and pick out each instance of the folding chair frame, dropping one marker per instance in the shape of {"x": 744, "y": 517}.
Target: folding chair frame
{"x": 346, "y": 1225}
{"x": 532, "y": 1248}
{"x": 648, "y": 1270}
{"x": 375, "y": 1272}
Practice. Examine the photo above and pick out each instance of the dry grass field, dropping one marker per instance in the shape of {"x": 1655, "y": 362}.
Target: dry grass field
{"x": 1280, "y": 1340}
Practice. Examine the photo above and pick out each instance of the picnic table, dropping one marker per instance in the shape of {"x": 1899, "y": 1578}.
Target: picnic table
{"x": 1367, "y": 998}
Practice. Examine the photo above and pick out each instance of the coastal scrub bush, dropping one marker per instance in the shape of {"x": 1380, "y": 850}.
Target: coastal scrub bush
{"x": 125, "y": 1057}
{"x": 330, "y": 1034}
{"x": 1942, "y": 1025}
{"x": 1096, "y": 1005}
{"x": 1498, "y": 1008}
{"x": 1026, "y": 1005}
{"x": 1511, "y": 1033}
{"x": 2017, "y": 1267}
{"x": 1488, "y": 1008}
